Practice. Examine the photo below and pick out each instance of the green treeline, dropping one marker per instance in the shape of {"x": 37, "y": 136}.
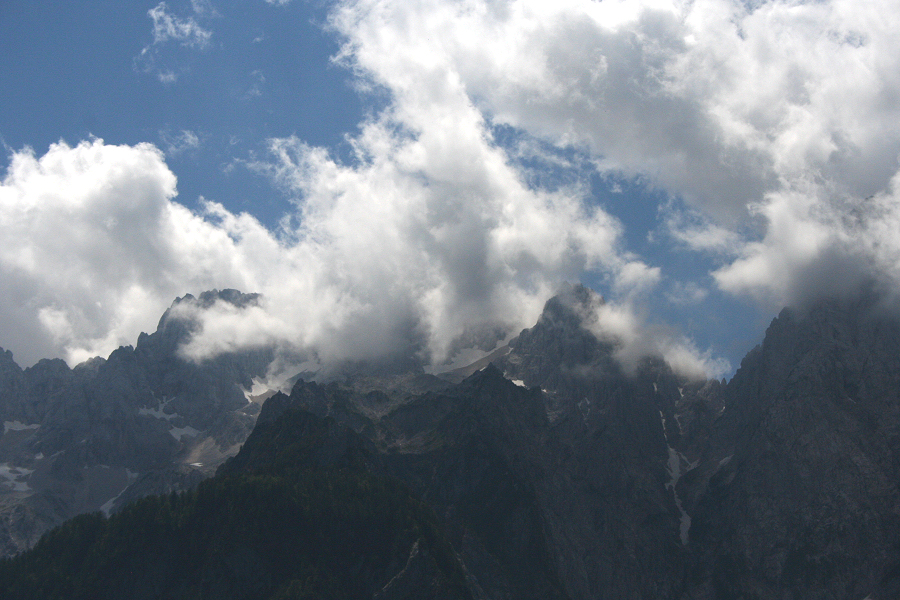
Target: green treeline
{"x": 286, "y": 529}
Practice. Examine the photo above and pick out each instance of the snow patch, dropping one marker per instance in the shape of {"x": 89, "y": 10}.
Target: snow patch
{"x": 677, "y": 466}
{"x": 15, "y": 477}
{"x": 518, "y": 382}
{"x": 655, "y": 388}
{"x": 17, "y": 426}
{"x": 180, "y": 432}
{"x": 158, "y": 412}
{"x": 108, "y": 505}
{"x": 469, "y": 356}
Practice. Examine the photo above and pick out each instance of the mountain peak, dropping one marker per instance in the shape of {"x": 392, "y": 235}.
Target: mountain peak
{"x": 570, "y": 306}
{"x": 210, "y": 297}
{"x": 178, "y": 321}
{"x": 560, "y": 344}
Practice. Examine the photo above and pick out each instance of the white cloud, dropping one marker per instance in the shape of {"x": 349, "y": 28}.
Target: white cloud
{"x": 204, "y": 8}
{"x": 575, "y": 72}
{"x": 686, "y": 293}
{"x": 775, "y": 125}
{"x": 94, "y": 247}
{"x": 434, "y": 228}
{"x": 186, "y": 31}
{"x": 814, "y": 245}
{"x": 166, "y": 76}
{"x": 176, "y": 143}
{"x": 636, "y": 336}
{"x": 770, "y": 120}
{"x": 168, "y": 29}
{"x": 431, "y": 241}
{"x": 698, "y": 232}
{"x": 429, "y": 245}
{"x": 255, "y": 88}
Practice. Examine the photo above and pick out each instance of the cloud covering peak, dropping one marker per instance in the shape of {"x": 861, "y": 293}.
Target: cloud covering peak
{"x": 393, "y": 255}
{"x": 769, "y": 131}
{"x": 777, "y": 121}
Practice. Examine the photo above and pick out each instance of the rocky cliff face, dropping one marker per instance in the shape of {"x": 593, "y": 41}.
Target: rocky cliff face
{"x": 551, "y": 471}
{"x": 298, "y": 513}
{"x": 800, "y": 492}
{"x": 554, "y": 470}
{"x": 560, "y": 475}
{"x": 74, "y": 439}
{"x": 610, "y": 429}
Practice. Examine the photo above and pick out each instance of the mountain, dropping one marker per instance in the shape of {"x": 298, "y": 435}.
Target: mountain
{"x": 529, "y": 483}
{"x": 473, "y": 452}
{"x": 799, "y": 491}
{"x": 143, "y": 419}
{"x": 296, "y": 515}
{"x": 546, "y": 471}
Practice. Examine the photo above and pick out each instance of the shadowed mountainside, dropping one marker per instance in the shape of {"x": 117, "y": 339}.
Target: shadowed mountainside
{"x": 554, "y": 473}
{"x": 143, "y": 419}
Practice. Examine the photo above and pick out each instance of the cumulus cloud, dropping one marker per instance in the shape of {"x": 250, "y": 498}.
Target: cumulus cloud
{"x": 769, "y": 120}
{"x": 91, "y": 243}
{"x": 814, "y": 245}
{"x": 686, "y": 293}
{"x": 771, "y": 129}
{"x": 426, "y": 246}
{"x": 697, "y": 231}
{"x": 431, "y": 241}
{"x": 635, "y": 335}
{"x": 605, "y": 75}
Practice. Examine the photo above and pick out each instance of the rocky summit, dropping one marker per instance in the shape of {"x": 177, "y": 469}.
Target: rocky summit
{"x": 142, "y": 421}
{"x": 797, "y": 493}
{"x": 546, "y": 470}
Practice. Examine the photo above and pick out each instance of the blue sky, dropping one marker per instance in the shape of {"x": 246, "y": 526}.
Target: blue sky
{"x": 420, "y": 177}
{"x": 73, "y": 71}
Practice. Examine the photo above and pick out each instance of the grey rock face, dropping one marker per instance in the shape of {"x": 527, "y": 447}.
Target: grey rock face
{"x": 596, "y": 483}
{"x": 801, "y": 496}
{"x": 561, "y": 489}
{"x": 78, "y": 437}
{"x": 415, "y": 580}
{"x": 555, "y": 472}
{"x": 618, "y": 525}
{"x": 474, "y": 453}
